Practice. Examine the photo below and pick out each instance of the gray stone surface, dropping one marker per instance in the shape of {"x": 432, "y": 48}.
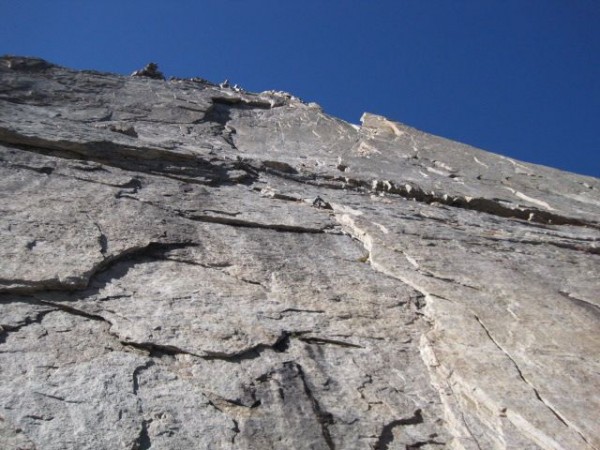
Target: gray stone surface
{"x": 186, "y": 265}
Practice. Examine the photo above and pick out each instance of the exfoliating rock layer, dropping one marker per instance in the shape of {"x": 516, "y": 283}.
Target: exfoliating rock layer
{"x": 190, "y": 265}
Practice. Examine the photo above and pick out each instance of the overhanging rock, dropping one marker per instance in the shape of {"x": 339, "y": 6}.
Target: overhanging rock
{"x": 186, "y": 265}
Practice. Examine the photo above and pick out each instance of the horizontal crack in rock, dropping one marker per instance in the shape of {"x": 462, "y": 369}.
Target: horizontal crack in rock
{"x": 74, "y": 311}
{"x": 155, "y": 161}
{"x": 158, "y": 350}
{"x": 86, "y": 280}
{"x": 279, "y": 346}
{"x": 247, "y": 224}
{"x": 5, "y": 329}
{"x": 321, "y": 341}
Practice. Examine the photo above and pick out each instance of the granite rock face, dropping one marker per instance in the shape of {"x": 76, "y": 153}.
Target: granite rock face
{"x": 188, "y": 265}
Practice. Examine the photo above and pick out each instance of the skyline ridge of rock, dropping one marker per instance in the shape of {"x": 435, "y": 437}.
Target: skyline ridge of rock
{"x": 190, "y": 265}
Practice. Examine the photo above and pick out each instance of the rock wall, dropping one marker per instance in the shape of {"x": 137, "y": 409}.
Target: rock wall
{"x": 186, "y": 265}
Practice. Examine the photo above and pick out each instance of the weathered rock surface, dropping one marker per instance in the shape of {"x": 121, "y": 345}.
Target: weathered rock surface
{"x": 185, "y": 265}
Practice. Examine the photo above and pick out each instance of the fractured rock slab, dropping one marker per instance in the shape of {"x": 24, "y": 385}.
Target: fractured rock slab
{"x": 191, "y": 265}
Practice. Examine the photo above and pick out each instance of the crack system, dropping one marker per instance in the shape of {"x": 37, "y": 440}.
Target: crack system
{"x": 217, "y": 174}
{"x": 143, "y": 441}
{"x": 324, "y": 418}
{"x": 362, "y": 236}
{"x": 5, "y": 329}
{"x": 526, "y": 381}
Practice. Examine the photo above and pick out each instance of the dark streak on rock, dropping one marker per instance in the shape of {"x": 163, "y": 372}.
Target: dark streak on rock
{"x": 321, "y": 341}
{"x": 43, "y": 170}
{"x": 156, "y": 161}
{"x": 235, "y": 429}
{"x": 136, "y": 373}
{"x": 102, "y": 239}
{"x": 423, "y": 444}
{"x": 280, "y": 346}
{"x": 143, "y": 441}
{"x": 299, "y": 310}
{"x": 60, "y": 399}
{"x": 325, "y": 419}
{"x": 158, "y": 350}
{"x": 565, "y": 245}
{"x": 247, "y": 224}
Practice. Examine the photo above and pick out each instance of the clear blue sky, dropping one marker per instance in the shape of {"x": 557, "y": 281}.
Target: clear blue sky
{"x": 516, "y": 77}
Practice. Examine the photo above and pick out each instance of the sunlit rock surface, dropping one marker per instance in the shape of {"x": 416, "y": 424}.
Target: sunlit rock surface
{"x": 187, "y": 265}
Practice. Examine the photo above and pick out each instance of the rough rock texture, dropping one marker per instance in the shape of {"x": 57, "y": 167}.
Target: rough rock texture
{"x": 186, "y": 265}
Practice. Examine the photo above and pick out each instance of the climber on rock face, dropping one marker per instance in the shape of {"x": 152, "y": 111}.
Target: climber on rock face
{"x": 321, "y": 204}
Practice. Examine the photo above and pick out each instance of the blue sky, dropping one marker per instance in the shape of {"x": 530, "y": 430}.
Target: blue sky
{"x": 516, "y": 77}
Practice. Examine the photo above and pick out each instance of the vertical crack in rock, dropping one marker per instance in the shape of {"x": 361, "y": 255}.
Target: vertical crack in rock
{"x": 236, "y": 430}
{"x": 457, "y": 426}
{"x": 102, "y": 240}
{"x": 136, "y": 373}
{"x": 467, "y": 427}
{"x": 526, "y": 381}
{"x": 325, "y": 419}
{"x": 350, "y": 227}
{"x": 230, "y": 409}
{"x": 143, "y": 441}
{"x": 219, "y": 113}
{"x": 194, "y": 151}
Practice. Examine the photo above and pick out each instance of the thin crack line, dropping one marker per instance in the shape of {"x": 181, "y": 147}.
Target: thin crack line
{"x": 522, "y": 376}
{"x": 282, "y": 228}
{"x": 324, "y": 418}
